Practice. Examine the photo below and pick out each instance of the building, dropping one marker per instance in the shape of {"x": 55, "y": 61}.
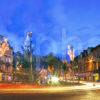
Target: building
{"x": 88, "y": 63}
{"x": 6, "y": 57}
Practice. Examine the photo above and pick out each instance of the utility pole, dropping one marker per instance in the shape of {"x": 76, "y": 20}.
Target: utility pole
{"x": 29, "y": 49}
{"x": 30, "y": 56}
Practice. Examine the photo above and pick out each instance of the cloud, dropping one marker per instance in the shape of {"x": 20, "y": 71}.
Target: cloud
{"x": 46, "y": 19}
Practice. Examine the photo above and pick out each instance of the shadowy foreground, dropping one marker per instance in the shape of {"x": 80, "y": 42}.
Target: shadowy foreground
{"x": 68, "y": 95}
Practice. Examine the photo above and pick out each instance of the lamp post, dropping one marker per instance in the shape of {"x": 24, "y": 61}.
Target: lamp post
{"x": 30, "y": 55}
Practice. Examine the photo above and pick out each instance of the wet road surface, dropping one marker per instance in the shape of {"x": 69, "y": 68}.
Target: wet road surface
{"x": 68, "y": 95}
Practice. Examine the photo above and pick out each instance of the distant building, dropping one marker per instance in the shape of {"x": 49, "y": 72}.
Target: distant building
{"x": 88, "y": 63}
{"x": 71, "y": 52}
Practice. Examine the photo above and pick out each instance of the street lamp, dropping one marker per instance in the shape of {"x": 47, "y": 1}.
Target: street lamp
{"x": 30, "y": 54}
{"x": 55, "y": 79}
{"x": 90, "y": 60}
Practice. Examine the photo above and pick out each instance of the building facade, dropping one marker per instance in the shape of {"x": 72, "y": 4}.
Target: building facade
{"x": 88, "y": 63}
{"x": 6, "y": 58}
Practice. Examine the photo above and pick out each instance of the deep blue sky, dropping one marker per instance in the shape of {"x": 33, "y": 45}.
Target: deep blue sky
{"x": 54, "y": 23}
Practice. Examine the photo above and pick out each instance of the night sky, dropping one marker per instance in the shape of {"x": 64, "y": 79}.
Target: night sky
{"x": 54, "y": 23}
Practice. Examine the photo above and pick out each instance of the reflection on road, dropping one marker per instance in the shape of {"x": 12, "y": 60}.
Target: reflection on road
{"x": 68, "y": 95}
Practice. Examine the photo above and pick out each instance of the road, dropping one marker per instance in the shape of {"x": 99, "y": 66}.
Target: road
{"x": 84, "y": 92}
{"x": 68, "y": 95}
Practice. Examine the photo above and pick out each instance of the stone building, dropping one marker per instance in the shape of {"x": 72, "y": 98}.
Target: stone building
{"x": 6, "y": 57}
{"x": 88, "y": 63}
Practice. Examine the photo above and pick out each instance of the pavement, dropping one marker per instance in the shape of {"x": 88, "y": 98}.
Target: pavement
{"x": 88, "y": 85}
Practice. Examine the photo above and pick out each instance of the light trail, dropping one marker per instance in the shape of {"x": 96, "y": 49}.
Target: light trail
{"x": 58, "y": 89}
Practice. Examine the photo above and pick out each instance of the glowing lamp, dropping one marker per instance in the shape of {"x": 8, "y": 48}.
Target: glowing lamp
{"x": 55, "y": 79}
